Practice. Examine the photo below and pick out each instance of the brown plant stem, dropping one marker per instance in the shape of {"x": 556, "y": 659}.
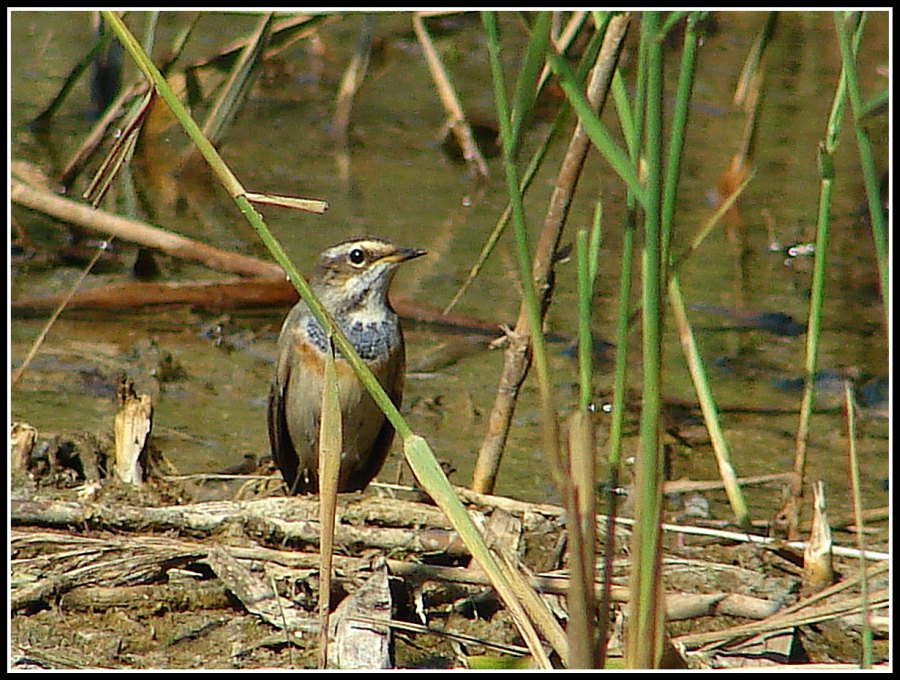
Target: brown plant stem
{"x": 518, "y": 355}
{"x": 457, "y": 121}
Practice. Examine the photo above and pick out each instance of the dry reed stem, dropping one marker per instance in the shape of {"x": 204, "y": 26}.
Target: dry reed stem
{"x": 456, "y": 117}
{"x": 518, "y": 359}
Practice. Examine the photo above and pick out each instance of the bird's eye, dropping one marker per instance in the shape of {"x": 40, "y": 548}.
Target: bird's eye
{"x": 357, "y": 256}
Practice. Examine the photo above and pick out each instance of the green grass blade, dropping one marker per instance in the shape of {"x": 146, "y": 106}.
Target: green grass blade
{"x": 525, "y": 92}
{"x": 606, "y": 145}
{"x": 849, "y": 49}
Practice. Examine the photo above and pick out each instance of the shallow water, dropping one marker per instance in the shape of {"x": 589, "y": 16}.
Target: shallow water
{"x": 404, "y": 188}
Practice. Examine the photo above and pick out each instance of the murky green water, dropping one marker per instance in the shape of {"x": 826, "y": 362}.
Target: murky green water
{"x": 403, "y": 188}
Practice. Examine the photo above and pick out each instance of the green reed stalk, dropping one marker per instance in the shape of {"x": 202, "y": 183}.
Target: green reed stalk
{"x": 678, "y": 126}
{"x": 643, "y": 647}
{"x": 509, "y": 149}
{"x": 632, "y": 123}
{"x": 689, "y": 345}
{"x": 827, "y": 148}
{"x": 587, "y": 250}
{"x": 867, "y": 161}
{"x": 582, "y": 498}
{"x": 814, "y": 325}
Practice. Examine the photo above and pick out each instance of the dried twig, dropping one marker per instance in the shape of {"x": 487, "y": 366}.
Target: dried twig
{"x": 63, "y": 302}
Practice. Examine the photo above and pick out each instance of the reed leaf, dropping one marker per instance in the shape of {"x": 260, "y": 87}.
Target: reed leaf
{"x": 525, "y": 92}
{"x": 240, "y": 80}
{"x": 849, "y": 48}
{"x": 606, "y": 145}
{"x": 330, "y": 447}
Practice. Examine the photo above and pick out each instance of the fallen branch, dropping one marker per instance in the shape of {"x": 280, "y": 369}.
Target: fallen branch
{"x": 138, "y": 295}
{"x": 138, "y": 232}
{"x": 255, "y": 293}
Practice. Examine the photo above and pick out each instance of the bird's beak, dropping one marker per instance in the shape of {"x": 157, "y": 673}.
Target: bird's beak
{"x": 404, "y": 254}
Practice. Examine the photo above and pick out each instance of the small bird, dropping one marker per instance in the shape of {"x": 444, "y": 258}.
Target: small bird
{"x": 352, "y": 281}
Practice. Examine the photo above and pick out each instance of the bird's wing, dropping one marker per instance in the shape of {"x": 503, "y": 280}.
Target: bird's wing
{"x": 382, "y": 445}
{"x": 279, "y": 438}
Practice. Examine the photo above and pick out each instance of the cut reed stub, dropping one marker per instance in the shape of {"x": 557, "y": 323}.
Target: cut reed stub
{"x": 133, "y": 423}
{"x": 818, "y": 572}
{"x": 22, "y": 438}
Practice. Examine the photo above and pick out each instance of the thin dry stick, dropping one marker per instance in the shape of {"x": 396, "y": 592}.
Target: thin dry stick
{"x": 98, "y": 133}
{"x": 517, "y": 359}
{"x": 287, "y": 630}
{"x": 457, "y": 119}
{"x": 53, "y": 317}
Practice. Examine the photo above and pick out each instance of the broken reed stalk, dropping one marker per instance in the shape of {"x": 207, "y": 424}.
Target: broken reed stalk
{"x": 517, "y": 360}
{"x": 818, "y": 564}
{"x": 859, "y": 519}
{"x": 133, "y": 425}
{"x": 581, "y": 497}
